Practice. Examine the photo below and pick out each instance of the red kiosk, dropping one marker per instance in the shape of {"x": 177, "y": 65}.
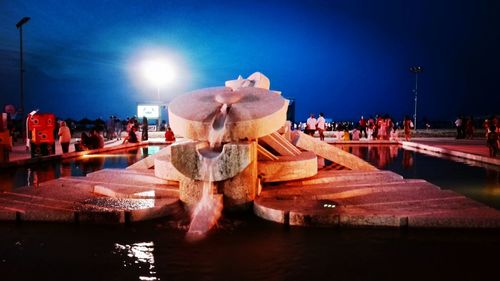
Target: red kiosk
{"x": 41, "y": 134}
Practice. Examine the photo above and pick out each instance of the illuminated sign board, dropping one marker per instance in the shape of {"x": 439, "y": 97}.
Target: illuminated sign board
{"x": 148, "y": 111}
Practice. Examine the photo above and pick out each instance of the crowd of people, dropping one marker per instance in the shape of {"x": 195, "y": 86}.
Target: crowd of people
{"x": 465, "y": 127}
{"x": 465, "y": 130}
{"x": 113, "y": 129}
{"x": 380, "y": 127}
{"x": 383, "y": 127}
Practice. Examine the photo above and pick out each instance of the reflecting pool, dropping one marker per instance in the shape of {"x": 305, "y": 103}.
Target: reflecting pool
{"x": 11, "y": 178}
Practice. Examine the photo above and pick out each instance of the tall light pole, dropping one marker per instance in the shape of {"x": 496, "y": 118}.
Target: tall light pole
{"x": 19, "y": 26}
{"x": 416, "y": 70}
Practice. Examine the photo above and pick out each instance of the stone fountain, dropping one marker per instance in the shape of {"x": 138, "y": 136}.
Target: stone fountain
{"x": 224, "y": 125}
{"x": 237, "y": 137}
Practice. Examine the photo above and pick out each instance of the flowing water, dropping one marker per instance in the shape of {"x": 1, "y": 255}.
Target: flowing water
{"x": 208, "y": 210}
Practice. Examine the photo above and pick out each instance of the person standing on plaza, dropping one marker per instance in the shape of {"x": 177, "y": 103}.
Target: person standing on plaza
{"x": 362, "y": 127}
{"x": 311, "y": 125}
{"x": 321, "y": 126}
{"x": 110, "y": 128}
{"x": 492, "y": 140}
{"x": 144, "y": 128}
{"x": 459, "y": 124}
{"x": 64, "y": 137}
{"x": 408, "y": 125}
{"x": 469, "y": 128}
{"x": 118, "y": 127}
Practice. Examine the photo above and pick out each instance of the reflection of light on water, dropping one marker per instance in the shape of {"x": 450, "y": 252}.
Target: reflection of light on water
{"x": 140, "y": 253}
{"x": 458, "y": 159}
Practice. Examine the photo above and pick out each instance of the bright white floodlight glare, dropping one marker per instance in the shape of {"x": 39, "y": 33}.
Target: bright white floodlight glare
{"x": 158, "y": 72}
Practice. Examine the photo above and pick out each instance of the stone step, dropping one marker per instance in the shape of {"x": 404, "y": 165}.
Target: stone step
{"x": 345, "y": 191}
{"x": 168, "y": 186}
{"x": 280, "y": 144}
{"x": 452, "y": 212}
{"x": 25, "y": 207}
{"x": 27, "y": 211}
{"x": 345, "y": 176}
{"x": 26, "y": 199}
{"x": 417, "y": 207}
{"x": 148, "y": 172}
{"x": 264, "y": 154}
{"x": 330, "y": 152}
{"x": 127, "y": 177}
{"x": 69, "y": 189}
{"x": 288, "y": 167}
{"x": 138, "y": 192}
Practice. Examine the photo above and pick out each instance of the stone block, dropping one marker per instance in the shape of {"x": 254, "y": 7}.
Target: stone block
{"x": 258, "y": 112}
{"x": 101, "y": 216}
{"x": 263, "y": 154}
{"x": 7, "y": 215}
{"x": 47, "y": 215}
{"x": 163, "y": 208}
{"x": 165, "y": 170}
{"x": 280, "y": 144}
{"x": 196, "y": 161}
{"x": 289, "y": 168}
{"x": 299, "y": 218}
{"x": 190, "y": 191}
{"x": 330, "y": 152}
{"x": 240, "y": 190}
{"x": 272, "y": 214}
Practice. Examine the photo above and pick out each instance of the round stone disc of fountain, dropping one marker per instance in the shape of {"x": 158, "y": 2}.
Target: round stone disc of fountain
{"x": 253, "y": 113}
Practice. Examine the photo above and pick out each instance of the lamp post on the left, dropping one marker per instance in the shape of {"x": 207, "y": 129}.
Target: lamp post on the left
{"x": 19, "y": 26}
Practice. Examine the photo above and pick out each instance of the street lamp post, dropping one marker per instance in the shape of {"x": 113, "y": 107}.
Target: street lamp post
{"x": 416, "y": 70}
{"x": 19, "y": 26}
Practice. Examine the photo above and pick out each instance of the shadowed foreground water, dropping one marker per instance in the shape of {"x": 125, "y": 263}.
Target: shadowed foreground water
{"x": 244, "y": 248}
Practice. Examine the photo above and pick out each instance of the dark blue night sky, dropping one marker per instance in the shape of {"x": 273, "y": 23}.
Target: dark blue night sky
{"x": 345, "y": 58}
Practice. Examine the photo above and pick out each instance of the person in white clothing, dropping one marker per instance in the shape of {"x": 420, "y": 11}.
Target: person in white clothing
{"x": 311, "y": 125}
{"x": 320, "y": 125}
{"x": 64, "y": 137}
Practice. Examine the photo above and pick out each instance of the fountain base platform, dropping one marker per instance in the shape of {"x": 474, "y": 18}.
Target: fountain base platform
{"x": 104, "y": 197}
{"x": 349, "y": 198}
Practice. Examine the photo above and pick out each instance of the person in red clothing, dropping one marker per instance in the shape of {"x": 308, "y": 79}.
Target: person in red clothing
{"x": 408, "y": 125}
{"x": 362, "y": 127}
{"x": 169, "y": 135}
